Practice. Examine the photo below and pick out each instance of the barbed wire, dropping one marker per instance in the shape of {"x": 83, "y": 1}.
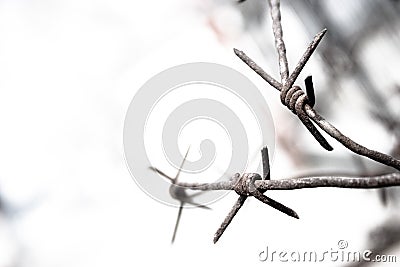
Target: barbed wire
{"x": 301, "y": 104}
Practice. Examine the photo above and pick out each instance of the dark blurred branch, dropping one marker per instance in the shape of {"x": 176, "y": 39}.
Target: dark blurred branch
{"x": 381, "y": 240}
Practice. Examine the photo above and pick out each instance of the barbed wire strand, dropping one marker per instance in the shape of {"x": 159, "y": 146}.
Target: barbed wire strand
{"x": 296, "y": 100}
{"x": 244, "y": 186}
{"x": 253, "y": 184}
{"x": 228, "y": 219}
{"x": 274, "y": 7}
{"x": 311, "y": 113}
{"x": 354, "y": 182}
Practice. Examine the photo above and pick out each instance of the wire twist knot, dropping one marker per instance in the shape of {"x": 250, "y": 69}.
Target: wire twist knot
{"x": 245, "y": 185}
{"x": 295, "y": 99}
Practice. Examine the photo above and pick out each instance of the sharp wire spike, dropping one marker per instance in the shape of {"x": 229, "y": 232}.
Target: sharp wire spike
{"x": 265, "y": 163}
{"x": 180, "y": 167}
{"x": 197, "y": 194}
{"x": 179, "y": 193}
{"x": 275, "y": 204}
{"x": 178, "y": 218}
{"x": 190, "y": 201}
{"x": 228, "y": 219}
{"x": 310, "y": 91}
{"x": 258, "y": 194}
{"x": 245, "y": 185}
{"x": 161, "y": 173}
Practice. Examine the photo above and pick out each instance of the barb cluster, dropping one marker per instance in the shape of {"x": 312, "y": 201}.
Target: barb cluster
{"x": 179, "y": 193}
{"x": 253, "y": 185}
{"x": 301, "y": 104}
{"x": 244, "y": 185}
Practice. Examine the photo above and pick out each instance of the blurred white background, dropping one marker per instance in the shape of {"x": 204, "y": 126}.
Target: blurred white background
{"x": 68, "y": 71}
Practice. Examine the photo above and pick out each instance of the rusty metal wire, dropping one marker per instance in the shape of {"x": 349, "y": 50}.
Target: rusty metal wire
{"x": 179, "y": 193}
{"x": 252, "y": 184}
{"x": 274, "y": 6}
{"x": 245, "y": 186}
{"x": 291, "y": 96}
{"x": 301, "y": 104}
{"x": 355, "y": 182}
{"x": 304, "y": 109}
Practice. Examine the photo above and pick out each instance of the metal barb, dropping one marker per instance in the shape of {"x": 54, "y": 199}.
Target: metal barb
{"x": 295, "y": 99}
{"x": 179, "y": 193}
{"x": 279, "y": 43}
{"x": 275, "y": 204}
{"x": 292, "y": 97}
{"x": 319, "y": 120}
{"x": 251, "y": 184}
{"x": 245, "y": 187}
{"x": 180, "y": 167}
{"x": 228, "y": 219}
{"x": 306, "y": 56}
{"x": 265, "y": 164}
{"x": 178, "y": 218}
{"x": 161, "y": 173}
{"x": 249, "y": 62}
{"x": 310, "y": 91}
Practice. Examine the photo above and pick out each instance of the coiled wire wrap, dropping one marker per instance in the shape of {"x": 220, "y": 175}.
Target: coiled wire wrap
{"x": 295, "y": 99}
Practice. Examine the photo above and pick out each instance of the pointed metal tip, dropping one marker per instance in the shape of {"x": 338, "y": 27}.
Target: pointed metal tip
{"x": 174, "y": 180}
{"x": 326, "y": 145}
{"x": 219, "y": 232}
{"x": 201, "y": 206}
{"x": 154, "y": 169}
{"x": 292, "y": 213}
{"x": 310, "y": 91}
{"x": 322, "y": 141}
{"x": 161, "y": 173}
{"x": 237, "y": 51}
{"x": 216, "y": 238}
{"x": 321, "y": 34}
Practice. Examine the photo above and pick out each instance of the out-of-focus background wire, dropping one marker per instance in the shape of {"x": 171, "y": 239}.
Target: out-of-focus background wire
{"x": 68, "y": 71}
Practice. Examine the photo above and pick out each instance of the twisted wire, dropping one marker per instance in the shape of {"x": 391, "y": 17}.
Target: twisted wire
{"x": 295, "y": 99}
